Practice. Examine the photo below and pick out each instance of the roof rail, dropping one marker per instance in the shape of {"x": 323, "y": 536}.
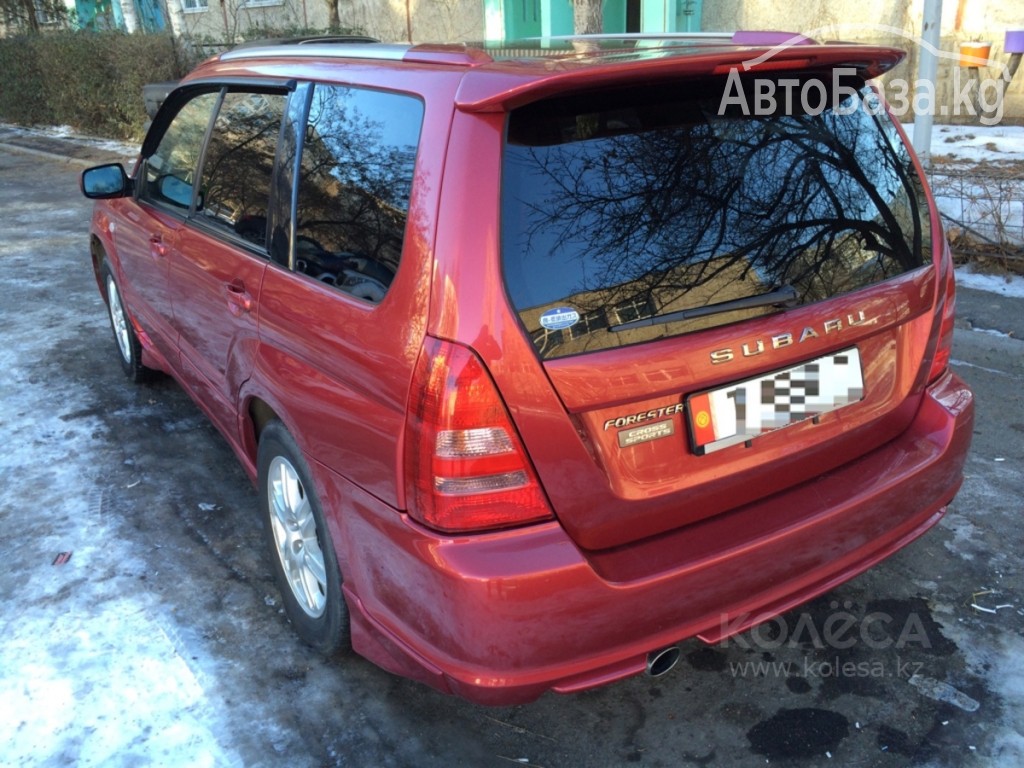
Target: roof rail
{"x": 740, "y": 37}
{"x": 305, "y": 40}
{"x": 643, "y": 36}
{"x": 326, "y": 50}
{"x": 454, "y": 54}
{"x": 770, "y": 37}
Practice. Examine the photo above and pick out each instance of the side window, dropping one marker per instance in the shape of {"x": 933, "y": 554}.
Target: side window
{"x": 170, "y": 171}
{"x": 239, "y": 162}
{"x": 354, "y": 185}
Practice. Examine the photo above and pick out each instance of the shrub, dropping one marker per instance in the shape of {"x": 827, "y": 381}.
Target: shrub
{"x": 89, "y": 81}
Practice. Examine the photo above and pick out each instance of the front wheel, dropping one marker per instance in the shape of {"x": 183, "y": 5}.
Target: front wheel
{"x": 304, "y": 561}
{"x": 128, "y": 346}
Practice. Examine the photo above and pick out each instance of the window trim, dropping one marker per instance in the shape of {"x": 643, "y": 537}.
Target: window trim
{"x": 186, "y": 92}
{"x": 297, "y": 121}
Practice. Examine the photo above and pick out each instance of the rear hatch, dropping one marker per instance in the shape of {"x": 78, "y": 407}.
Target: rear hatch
{"x": 729, "y": 297}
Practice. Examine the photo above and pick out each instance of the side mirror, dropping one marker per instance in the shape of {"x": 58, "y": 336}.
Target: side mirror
{"x": 176, "y": 190}
{"x": 105, "y": 182}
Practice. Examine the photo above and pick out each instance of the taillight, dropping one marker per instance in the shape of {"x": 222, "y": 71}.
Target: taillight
{"x": 466, "y": 468}
{"x": 947, "y": 323}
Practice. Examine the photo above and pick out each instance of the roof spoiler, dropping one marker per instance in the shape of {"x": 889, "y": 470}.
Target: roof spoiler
{"x": 502, "y": 86}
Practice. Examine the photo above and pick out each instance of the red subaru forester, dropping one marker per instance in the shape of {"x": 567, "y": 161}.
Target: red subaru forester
{"x": 546, "y": 357}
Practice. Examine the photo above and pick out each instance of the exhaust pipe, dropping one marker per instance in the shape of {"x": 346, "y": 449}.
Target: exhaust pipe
{"x": 661, "y": 662}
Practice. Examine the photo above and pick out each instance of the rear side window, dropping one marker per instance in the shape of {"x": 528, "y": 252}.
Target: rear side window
{"x": 625, "y": 207}
{"x": 355, "y": 180}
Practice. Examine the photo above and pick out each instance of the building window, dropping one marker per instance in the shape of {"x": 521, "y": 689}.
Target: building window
{"x": 194, "y": 6}
{"x": 634, "y": 309}
{"x": 47, "y": 13}
{"x": 588, "y": 323}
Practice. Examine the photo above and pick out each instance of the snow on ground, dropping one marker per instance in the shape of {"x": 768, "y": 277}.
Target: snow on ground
{"x": 977, "y": 143}
{"x": 1011, "y": 286}
{"x": 92, "y": 670}
{"x": 126, "y": 148}
{"x": 977, "y": 176}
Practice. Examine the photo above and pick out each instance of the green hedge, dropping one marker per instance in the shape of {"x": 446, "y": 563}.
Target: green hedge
{"x": 89, "y": 81}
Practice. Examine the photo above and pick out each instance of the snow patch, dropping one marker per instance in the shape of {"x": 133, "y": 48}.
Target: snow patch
{"x": 977, "y": 143}
{"x": 1011, "y": 286}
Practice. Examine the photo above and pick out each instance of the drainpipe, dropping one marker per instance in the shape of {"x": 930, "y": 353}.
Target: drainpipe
{"x": 927, "y": 71}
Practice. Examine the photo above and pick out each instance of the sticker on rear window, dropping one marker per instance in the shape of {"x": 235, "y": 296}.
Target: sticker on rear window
{"x": 559, "y": 318}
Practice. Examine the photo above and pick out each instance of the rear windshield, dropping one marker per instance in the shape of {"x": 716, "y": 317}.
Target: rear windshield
{"x": 659, "y": 204}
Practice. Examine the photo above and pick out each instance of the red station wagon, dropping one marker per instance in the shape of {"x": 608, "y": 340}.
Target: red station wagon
{"x": 546, "y": 358}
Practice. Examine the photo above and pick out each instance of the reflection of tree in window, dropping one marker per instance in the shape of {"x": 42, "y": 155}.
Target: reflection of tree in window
{"x": 354, "y": 186}
{"x": 669, "y": 206}
{"x": 239, "y": 163}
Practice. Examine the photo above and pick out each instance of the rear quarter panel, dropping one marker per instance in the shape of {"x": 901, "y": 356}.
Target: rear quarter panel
{"x": 335, "y": 369}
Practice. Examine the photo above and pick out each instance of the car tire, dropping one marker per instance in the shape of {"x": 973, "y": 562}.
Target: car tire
{"x": 129, "y": 349}
{"x": 299, "y": 544}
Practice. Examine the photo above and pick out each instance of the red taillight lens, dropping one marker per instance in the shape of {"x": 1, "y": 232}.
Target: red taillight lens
{"x": 947, "y": 323}
{"x": 465, "y": 466}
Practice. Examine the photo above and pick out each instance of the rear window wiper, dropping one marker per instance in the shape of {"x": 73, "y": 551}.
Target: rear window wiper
{"x": 786, "y": 296}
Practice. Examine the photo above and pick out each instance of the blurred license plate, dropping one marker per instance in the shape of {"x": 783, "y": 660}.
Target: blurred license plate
{"x": 740, "y": 412}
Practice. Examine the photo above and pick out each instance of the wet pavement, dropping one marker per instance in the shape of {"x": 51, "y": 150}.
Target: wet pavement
{"x": 139, "y": 623}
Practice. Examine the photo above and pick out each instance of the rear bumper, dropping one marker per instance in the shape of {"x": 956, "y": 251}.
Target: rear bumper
{"x": 501, "y": 618}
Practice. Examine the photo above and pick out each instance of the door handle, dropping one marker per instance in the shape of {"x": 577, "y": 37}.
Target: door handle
{"x": 157, "y": 246}
{"x": 239, "y": 299}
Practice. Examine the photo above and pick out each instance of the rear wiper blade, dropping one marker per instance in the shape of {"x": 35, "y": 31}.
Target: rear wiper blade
{"x": 786, "y": 296}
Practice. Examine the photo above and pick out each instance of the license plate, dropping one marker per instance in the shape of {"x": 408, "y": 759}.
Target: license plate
{"x": 740, "y": 412}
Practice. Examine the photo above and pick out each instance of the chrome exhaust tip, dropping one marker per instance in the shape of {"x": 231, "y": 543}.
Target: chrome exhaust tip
{"x": 661, "y": 662}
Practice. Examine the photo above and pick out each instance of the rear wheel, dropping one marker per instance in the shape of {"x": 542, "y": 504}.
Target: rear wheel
{"x": 128, "y": 346}
{"x": 300, "y": 545}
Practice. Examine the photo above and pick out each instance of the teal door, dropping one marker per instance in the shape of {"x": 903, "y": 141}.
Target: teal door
{"x": 522, "y": 18}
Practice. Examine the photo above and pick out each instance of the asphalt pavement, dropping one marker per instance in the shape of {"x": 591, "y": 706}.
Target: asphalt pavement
{"x": 139, "y": 623}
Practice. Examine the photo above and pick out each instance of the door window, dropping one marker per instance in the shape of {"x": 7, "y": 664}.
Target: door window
{"x": 169, "y": 174}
